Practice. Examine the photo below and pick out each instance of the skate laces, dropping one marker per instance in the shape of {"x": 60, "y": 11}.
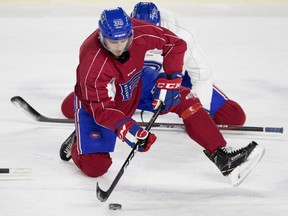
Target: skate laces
{"x": 230, "y": 151}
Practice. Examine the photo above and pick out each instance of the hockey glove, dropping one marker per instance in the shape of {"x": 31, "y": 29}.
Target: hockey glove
{"x": 167, "y": 90}
{"x": 128, "y": 131}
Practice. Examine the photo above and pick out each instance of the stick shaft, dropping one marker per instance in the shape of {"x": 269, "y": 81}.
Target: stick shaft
{"x": 29, "y": 110}
{"x": 15, "y": 170}
{"x": 103, "y": 195}
{"x": 221, "y": 127}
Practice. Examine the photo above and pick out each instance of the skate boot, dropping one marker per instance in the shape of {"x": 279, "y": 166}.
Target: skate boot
{"x": 65, "y": 150}
{"x": 237, "y": 164}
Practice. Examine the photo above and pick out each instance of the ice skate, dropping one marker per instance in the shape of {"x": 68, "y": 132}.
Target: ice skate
{"x": 237, "y": 164}
{"x": 65, "y": 150}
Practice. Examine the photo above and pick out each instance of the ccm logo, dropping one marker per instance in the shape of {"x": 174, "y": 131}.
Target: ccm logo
{"x": 169, "y": 86}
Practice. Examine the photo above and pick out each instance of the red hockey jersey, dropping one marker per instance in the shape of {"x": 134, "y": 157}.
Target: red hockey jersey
{"x": 109, "y": 90}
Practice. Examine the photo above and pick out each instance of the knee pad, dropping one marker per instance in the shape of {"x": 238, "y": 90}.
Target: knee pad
{"x": 67, "y": 106}
{"x": 189, "y": 104}
{"x": 231, "y": 113}
{"x": 93, "y": 165}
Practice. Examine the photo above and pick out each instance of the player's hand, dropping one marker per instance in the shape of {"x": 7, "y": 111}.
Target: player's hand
{"x": 128, "y": 131}
{"x": 167, "y": 90}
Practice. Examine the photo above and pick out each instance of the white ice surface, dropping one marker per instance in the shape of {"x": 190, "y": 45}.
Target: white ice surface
{"x": 38, "y": 56}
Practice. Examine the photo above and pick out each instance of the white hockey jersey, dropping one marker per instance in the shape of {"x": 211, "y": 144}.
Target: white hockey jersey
{"x": 194, "y": 61}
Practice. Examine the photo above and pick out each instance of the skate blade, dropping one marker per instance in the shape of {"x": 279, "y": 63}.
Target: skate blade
{"x": 239, "y": 174}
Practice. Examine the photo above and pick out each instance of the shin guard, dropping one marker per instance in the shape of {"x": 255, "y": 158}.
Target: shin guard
{"x": 199, "y": 125}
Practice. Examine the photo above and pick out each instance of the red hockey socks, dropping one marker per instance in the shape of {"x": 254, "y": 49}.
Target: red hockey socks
{"x": 93, "y": 165}
{"x": 199, "y": 125}
{"x": 230, "y": 113}
{"x": 201, "y": 128}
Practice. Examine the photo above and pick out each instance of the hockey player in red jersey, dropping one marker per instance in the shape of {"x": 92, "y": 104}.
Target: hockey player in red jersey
{"x": 197, "y": 74}
{"x": 112, "y": 83}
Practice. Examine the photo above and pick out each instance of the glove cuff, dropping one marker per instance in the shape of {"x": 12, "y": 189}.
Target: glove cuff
{"x": 127, "y": 130}
{"x": 169, "y": 82}
{"x": 123, "y": 127}
{"x": 176, "y": 75}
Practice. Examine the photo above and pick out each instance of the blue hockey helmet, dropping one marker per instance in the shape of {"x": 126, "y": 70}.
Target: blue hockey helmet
{"x": 147, "y": 11}
{"x": 115, "y": 24}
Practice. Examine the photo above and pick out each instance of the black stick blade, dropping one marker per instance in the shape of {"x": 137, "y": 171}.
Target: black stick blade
{"x": 101, "y": 195}
{"x": 29, "y": 110}
{"x": 34, "y": 114}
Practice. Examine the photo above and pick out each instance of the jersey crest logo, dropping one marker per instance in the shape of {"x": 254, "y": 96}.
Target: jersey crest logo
{"x": 128, "y": 87}
{"x": 153, "y": 65}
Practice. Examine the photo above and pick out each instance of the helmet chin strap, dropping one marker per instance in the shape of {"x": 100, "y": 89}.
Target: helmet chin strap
{"x": 102, "y": 41}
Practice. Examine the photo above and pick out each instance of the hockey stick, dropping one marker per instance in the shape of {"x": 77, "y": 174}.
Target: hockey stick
{"x": 15, "y": 170}
{"x": 30, "y": 111}
{"x": 220, "y": 127}
{"x": 103, "y": 195}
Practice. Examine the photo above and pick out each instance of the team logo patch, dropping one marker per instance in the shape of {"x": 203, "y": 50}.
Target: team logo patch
{"x": 191, "y": 95}
{"x": 95, "y": 135}
{"x": 128, "y": 87}
{"x": 153, "y": 64}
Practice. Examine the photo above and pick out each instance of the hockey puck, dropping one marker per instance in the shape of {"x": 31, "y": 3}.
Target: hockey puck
{"x": 115, "y": 206}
